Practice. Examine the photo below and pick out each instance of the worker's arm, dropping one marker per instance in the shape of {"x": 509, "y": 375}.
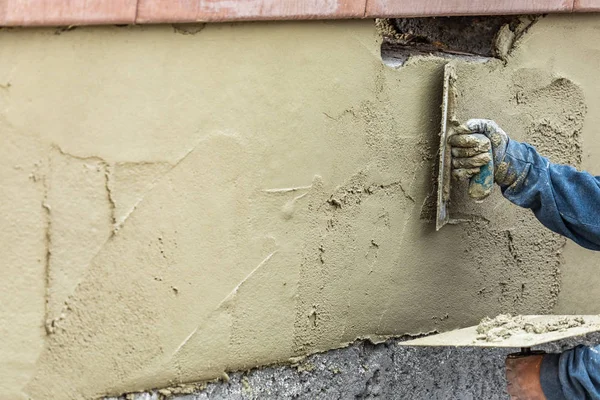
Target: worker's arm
{"x": 572, "y": 374}
{"x": 563, "y": 199}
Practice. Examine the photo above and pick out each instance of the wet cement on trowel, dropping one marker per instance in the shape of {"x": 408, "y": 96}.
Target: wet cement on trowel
{"x": 255, "y": 241}
{"x": 505, "y": 325}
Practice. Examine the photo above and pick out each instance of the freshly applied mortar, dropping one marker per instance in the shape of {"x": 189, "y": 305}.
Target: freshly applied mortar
{"x": 505, "y": 325}
{"x": 261, "y": 209}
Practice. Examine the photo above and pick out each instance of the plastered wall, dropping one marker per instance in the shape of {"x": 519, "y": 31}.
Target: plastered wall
{"x": 180, "y": 203}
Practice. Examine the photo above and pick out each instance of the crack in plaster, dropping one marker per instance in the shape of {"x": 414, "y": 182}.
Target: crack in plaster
{"x": 389, "y": 305}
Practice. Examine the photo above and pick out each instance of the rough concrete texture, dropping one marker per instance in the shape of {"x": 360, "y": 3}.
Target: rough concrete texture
{"x": 177, "y": 206}
{"x": 367, "y": 371}
{"x": 450, "y": 37}
{"x": 467, "y": 35}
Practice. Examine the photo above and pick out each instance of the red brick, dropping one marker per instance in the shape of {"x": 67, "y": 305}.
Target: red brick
{"x": 586, "y": 5}
{"x": 156, "y": 11}
{"x": 411, "y": 8}
{"x": 67, "y": 12}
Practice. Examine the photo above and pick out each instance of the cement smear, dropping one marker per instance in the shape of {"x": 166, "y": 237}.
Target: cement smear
{"x": 265, "y": 202}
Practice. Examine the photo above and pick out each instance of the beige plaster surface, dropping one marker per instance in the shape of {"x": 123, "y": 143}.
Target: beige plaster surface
{"x": 176, "y": 206}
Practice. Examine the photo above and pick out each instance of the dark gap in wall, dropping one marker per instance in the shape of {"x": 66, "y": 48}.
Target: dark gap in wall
{"x": 474, "y": 37}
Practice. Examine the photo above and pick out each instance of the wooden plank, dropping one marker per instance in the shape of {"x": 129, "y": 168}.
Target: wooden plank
{"x": 422, "y": 8}
{"x": 67, "y": 12}
{"x": 586, "y": 6}
{"x": 159, "y": 11}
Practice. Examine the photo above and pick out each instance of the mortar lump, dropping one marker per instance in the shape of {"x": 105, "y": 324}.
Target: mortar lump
{"x": 506, "y": 325}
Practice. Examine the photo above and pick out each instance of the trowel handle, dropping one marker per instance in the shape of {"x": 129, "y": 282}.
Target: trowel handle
{"x": 482, "y": 184}
{"x": 526, "y": 352}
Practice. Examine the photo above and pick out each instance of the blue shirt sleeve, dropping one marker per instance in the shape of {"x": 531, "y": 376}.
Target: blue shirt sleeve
{"x": 572, "y": 375}
{"x": 563, "y": 199}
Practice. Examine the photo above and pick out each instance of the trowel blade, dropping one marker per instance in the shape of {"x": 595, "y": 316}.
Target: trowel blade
{"x": 468, "y": 337}
{"x": 444, "y": 171}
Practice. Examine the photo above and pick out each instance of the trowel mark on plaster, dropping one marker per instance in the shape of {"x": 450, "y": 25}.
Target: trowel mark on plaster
{"x": 225, "y": 300}
{"x": 92, "y": 159}
{"x": 122, "y": 195}
{"x": 339, "y": 257}
{"x": 287, "y": 190}
{"x": 53, "y": 318}
{"x": 162, "y": 168}
{"x": 80, "y": 217}
{"x": 76, "y": 332}
{"x": 371, "y": 255}
{"x": 130, "y": 182}
{"x": 81, "y": 212}
{"x": 235, "y": 289}
{"x": 383, "y": 224}
{"x": 109, "y": 193}
{"x": 355, "y": 214}
{"x": 47, "y": 242}
{"x": 287, "y": 210}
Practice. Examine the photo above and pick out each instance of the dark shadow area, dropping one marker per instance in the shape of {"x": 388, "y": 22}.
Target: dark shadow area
{"x": 478, "y": 36}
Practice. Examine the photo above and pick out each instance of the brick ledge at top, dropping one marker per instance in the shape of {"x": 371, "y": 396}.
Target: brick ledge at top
{"x": 107, "y": 12}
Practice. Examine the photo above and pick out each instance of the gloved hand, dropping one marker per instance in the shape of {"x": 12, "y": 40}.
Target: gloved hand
{"x": 470, "y": 148}
{"x": 523, "y": 377}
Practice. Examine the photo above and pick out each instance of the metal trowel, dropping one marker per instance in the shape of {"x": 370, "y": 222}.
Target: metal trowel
{"x": 481, "y": 185}
{"x": 469, "y": 337}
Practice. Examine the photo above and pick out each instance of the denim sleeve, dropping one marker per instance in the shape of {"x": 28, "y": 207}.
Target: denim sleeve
{"x": 574, "y": 374}
{"x": 563, "y": 199}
